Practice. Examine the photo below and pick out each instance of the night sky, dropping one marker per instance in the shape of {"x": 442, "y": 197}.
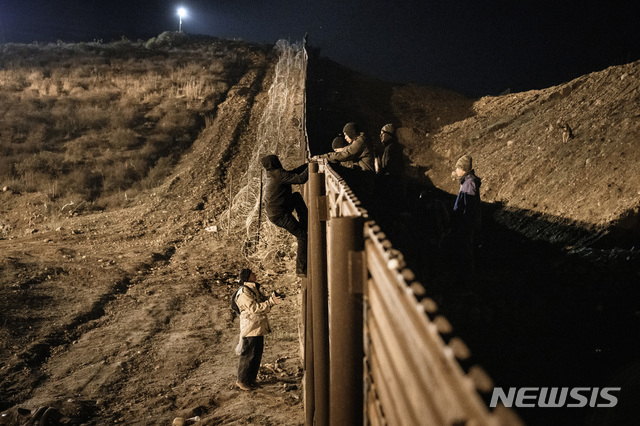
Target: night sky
{"x": 477, "y": 47}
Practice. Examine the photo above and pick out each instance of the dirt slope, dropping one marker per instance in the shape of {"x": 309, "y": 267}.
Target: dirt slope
{"x": 122, "y": 317}
{"x": 547, "y": 189}
{"x": 588, "y": 182}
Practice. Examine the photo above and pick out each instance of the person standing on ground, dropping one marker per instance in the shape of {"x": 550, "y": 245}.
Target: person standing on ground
{"x": 281, "y": 202}
{"x": 360, "y": 154}
{"x": 359, "y": 150}
{"x": 390, "y": 185}
{"x": 254, "y": 324}
{"x": 339, "y": 144}
{"x": 466, "y": 219}
{"x": 391, "y": 160}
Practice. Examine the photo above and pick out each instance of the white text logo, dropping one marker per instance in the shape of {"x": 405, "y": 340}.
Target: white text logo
{"x": 554, "y": 397}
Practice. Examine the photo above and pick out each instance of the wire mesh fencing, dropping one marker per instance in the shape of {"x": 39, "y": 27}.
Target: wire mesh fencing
{"x": 280, "y": 132}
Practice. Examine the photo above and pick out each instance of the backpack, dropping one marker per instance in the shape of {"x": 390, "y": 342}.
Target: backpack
{"x": 234, "y": 305}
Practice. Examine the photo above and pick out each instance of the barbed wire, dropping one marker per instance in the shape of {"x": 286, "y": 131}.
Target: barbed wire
{"x": 280, "y": 132}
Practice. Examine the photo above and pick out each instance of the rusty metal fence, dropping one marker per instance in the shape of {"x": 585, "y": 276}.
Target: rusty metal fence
{"x": 377, "y": 352}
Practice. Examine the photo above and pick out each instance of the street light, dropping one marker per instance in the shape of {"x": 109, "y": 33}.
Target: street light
{"x": 182, "y": 12}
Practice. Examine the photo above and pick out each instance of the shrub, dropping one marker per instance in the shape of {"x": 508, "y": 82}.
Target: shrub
{"x": 83, "y": 182}
{"x": 162, "y": 169}
{"x": 157, "y": 145}
{"x": 46, "y": 163}
{"x": 79, "y": 149}
{"x": 120, "y": 177}
{"x": 121, "y": 138}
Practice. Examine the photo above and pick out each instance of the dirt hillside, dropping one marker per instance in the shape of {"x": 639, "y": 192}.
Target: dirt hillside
{"x": 588, "y": 181}
{"x": 117, "y": 312}
{"x": 121, "y": 316}
{"x": 547, "y": 189}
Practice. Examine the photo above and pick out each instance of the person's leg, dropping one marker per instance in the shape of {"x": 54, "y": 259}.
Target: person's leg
{"x": 257, "y": 359}
{"x": 300, "y": 208}
{"x": 291, "y": 224}
{"x": 246, "y": 362}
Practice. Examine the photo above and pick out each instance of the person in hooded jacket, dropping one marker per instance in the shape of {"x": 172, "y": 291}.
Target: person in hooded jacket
{"x": 254, "y": 325}
{"x": 281, "y": 202}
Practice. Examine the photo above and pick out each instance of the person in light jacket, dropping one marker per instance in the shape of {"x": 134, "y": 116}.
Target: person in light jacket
{"x": 254, "y": 325}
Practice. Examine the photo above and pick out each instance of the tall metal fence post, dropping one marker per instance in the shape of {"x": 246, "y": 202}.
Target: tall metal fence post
{"x": 307, "y": 307}
{"x": 345, "y": 320}
{"x": 319, "y": 292}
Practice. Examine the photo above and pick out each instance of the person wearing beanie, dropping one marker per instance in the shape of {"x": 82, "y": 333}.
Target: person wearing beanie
{"x": 359, "y": 150}
{"x": 391, "y": 161}
{"x": 339, "y": 144}
{"x": 466, "y": 218}
{"x": 253, "y": 307}
{"x": 390, "y": 183}
{"x": 281, "y": 201}
{"x": 465, "y": 164}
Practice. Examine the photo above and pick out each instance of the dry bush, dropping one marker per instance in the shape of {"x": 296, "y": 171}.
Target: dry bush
{"x": 176, "y": 121}
{"x": 157, "y": 146}
{"x": 104, "y": 118}
{"x": 81, "y": 148}
{"x": 121, "y": 176}
{"x": 87, "y": 184}
{"x": 13, "y": 81}
{"x": 125, "y": 114}
{"x": 89, "y": 118}
{"x": 117, "y": 200}
{"x": 7, "y": 168}
{"x": 123, "y": 139}
{"x": 46, "y": 163}
{"x": 158, "y": 173}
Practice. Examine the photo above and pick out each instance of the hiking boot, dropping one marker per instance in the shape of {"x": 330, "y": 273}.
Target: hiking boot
{"x": 243, "y": 386}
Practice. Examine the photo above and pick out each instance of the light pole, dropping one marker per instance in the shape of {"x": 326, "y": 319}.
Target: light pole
{"x": 182, "y": 12}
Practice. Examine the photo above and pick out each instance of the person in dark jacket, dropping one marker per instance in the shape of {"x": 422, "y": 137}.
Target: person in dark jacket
{"x": 466, "y": 218}
{"x": 281, "y": 202}
{"x": 358, "y": 156}
{"x": 359, "y": 151}
{"x": 339, "y": 144}
{"x": 391, "y": 160}
{"x": 390, "y": 185}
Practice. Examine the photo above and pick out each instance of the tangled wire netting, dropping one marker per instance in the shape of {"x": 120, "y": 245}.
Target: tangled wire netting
{"x": 281, "y": 131}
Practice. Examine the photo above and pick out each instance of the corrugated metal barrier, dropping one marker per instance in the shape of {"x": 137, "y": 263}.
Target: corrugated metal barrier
{"x": 378, "y": 352}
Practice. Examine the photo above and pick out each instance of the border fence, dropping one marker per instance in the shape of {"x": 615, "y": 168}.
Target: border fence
{"x": 376, "y": 349}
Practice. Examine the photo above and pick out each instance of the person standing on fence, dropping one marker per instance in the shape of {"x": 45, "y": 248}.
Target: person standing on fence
{"x": 253, "y": 307}
{"x": 466, "y": 218}
{"x": 281, "y": 202}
